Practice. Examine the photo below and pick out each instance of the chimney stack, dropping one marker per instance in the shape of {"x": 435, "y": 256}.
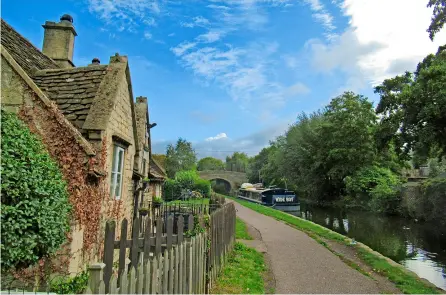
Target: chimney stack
{"x": 95, "y": 62}
{"x": 58, "y": 41}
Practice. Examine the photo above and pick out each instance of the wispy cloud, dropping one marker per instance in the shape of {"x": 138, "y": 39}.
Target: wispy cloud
{"x": 217, "y": 137}
{"x": 197, "y": 21}
{"x": 125, "y": 14}
{"x": 147, "y": 35}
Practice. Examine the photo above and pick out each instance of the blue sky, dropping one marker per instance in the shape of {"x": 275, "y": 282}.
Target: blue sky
{"x": 231, "y": 75}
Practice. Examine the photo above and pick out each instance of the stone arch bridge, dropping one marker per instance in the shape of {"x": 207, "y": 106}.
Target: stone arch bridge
{"x": 232, "y": 179}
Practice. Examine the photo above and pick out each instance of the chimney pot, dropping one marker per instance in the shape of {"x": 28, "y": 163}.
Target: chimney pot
{"x": 66, "y": 17}
{"x": 96, "y": 61}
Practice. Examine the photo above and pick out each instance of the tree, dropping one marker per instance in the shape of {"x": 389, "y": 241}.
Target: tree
{"x": 237, "y": 162}
{"x": 438, "y": 17}
{"x": 34, "y": 198}
{"x": 160, "y": 159}
{"x": 413, "y": 107}
{"x": 210, "y": 163}
{"x": 256, "y": 163}
{"x": 179, "y": 158}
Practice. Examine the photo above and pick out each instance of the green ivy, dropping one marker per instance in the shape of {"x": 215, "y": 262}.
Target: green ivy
{"x": 35, "y": 206}
{"x": 74, "y": 285}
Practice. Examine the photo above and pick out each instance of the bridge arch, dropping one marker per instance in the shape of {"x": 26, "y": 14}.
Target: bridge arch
{"x": 235, "y": 179}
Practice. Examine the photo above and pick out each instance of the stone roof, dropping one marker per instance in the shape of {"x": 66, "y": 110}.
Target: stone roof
{"x": 73, "y": 89}
{"x": 24, "y": 53}
{"x": 156, "y": 171}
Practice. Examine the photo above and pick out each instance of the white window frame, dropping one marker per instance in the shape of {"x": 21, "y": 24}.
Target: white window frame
{"x": 117, "y": 176}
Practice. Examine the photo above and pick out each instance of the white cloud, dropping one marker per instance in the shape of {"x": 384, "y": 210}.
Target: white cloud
{"x": 147, "y": 35}
{"x": 217, "y": 137}
{"x": 383, "y": 39}
{"x": 197, "y": 21}
{"x": 210, "y": 37}
{"x": 125, "y": 13}
{"x": 322, "y": 16}
{"x": 182, "y": 48}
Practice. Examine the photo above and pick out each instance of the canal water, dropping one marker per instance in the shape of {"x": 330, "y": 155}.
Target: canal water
{"x": 421, "y": 247}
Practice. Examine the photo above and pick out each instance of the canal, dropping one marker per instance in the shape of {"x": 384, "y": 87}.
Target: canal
{"x": 421, "y": 247}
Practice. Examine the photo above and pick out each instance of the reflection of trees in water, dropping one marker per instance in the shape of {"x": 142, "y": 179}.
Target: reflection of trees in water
{"x": 394, "y": 237}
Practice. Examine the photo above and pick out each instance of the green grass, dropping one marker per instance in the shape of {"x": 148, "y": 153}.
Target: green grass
{"x": 406, "y": 282}
{"x": 190, "y": 201}
{"x": 241, "y": 231}
{"x": 242, "y": 274}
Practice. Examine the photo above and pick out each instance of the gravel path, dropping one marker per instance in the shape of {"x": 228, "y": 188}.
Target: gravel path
{"x": 300, "y": 264}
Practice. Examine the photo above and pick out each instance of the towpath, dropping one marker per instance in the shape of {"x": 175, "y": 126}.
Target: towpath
{"x": 300, "y": 264}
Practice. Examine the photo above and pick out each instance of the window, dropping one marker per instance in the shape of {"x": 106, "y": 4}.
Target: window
{"x": 116, "y": 175}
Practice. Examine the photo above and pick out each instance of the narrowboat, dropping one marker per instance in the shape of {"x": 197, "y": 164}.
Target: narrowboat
{"x": 275, "y": 197}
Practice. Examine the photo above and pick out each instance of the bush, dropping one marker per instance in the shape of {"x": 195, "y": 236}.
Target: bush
{"x": 203, "y": 186}
{"x": 75, "y": 285}
{"x": 377, "y": 184}
{"x": 186, "y": 180}
{"x": 34, "y": 198}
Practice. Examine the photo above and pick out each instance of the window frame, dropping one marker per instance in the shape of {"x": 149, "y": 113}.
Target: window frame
{"x": 115, "y": 173}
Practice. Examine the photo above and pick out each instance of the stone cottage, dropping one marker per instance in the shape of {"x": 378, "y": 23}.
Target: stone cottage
{"x": 90, "y": 123}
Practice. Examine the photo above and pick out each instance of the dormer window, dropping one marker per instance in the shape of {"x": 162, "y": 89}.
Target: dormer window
{"x": 117, "y": 171}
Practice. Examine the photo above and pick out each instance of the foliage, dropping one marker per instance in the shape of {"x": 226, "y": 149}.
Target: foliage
{"x": 242, "y": 274}
{"x": 157, "y": 200}
{"x": 74, "y": 285}
{"x": 186, "y": 180}
{"x": 438, "y": 17}
{"x": 160, "y": 159}
{"x": 379, "y": 185}
{"x": 434, "y": 195}
{"x": 256, "y": 163}
{"x": 237, "y": 162}
{"x": 413, "y": 107}
{"x": 210, "y": 163}
{"x": 219, "y": 187}
{"x": 34, "y": 198}
{"x": 203, "y": 186}
{"x": 180, "y": 157}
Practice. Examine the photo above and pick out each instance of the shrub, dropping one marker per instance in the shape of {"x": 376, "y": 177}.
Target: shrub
{"x": 379, "y": 185}
{"x": 172, "y": 190}
{"x": 75, "y": 285}
{"x": 203, "y": 186}
{"x": 34, "y": 198}
{"x": 186, "y": 179}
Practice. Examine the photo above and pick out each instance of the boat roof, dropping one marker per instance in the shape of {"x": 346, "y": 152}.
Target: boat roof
{"x": 261, "y": 190}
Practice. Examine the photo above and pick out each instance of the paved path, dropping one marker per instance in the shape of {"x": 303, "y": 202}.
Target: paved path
{"x": 300, "y": 264}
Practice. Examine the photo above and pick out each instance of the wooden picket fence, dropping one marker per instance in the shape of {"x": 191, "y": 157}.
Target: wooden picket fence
{"x": 163, "y": 261}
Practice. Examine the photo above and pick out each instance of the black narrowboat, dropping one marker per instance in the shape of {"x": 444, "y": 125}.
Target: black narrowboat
{"x": 278, "y": 198}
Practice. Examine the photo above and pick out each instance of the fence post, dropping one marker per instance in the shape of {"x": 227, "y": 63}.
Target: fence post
{"x": 96, "y": 274}
{"x": 109, "y": 242}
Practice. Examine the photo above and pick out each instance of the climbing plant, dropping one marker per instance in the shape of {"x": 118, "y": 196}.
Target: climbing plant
{"x": 35, "y": 206}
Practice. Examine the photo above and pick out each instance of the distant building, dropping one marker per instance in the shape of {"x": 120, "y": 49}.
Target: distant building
{"x": 89, "y": 122}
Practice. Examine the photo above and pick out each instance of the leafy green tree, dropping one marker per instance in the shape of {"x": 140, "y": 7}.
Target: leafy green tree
{"x": 179, "y": 158}
{"x": 348, "y": 133}
{"x": 256, "y": 163}
{"x": 210, "y": 163}
{"x": 438, "y": 17}
{"x": 35, "y": 209}
{"x": 237, "y": 162}
{"x": 413, "y": 107}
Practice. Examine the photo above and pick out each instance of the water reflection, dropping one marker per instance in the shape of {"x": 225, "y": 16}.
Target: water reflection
{"x": 421, "y": 247}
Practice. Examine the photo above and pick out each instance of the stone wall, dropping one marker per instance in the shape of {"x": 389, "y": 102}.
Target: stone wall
{"x": 43, "y": 118}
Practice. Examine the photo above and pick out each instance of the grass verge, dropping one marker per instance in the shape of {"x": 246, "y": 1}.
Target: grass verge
{"x": 406, "y": 281}
{"x": 243, "y": 273}
{"x": 241, "y": 231}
